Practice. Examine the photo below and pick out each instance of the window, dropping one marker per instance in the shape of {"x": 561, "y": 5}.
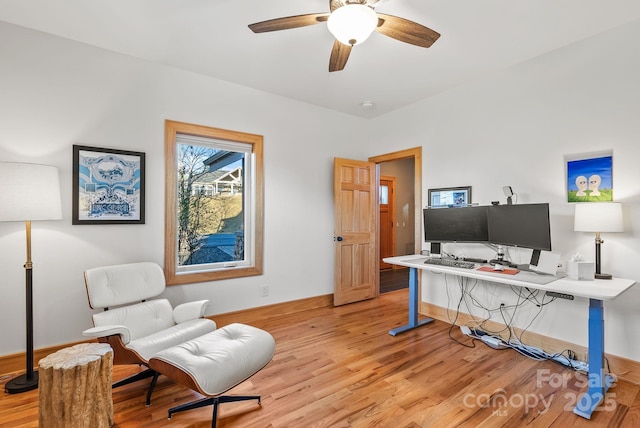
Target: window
{"x": 384, "y": 194}
{"x": 213, "y": 203}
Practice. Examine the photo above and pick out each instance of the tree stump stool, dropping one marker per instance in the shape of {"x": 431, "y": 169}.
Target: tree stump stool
{"x": 75, "y": 387}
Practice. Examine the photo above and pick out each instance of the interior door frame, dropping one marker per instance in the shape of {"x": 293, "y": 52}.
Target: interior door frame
{"x": 416, "y": 154}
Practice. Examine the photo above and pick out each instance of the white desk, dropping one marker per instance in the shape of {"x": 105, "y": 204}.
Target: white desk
{"x": 597, "y": 291}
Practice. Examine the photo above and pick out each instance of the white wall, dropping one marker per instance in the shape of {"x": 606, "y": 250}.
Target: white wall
{"x": 56, "y": 93}
{"x": 511, "y": 128}
{"x": 514, "y": 128}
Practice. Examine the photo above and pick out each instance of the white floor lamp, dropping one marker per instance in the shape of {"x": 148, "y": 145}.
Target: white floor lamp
{"x": 28, "y": 192}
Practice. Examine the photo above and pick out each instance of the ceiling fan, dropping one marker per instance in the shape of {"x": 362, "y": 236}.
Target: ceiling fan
{"x": 351, "y": 22}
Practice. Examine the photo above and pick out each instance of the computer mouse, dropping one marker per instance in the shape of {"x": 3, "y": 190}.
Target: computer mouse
{"x": 498, "y": 267}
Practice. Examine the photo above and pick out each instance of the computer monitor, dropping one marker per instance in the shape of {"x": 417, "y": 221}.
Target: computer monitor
{"x": 462, "y": 224}
{"x": 521, "y": 225}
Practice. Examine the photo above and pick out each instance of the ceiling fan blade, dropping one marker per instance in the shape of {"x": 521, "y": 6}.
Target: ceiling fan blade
{"x": 335, "y": 4}
{"x": 289, "y": 22}
{"x": 406, "y": 31}
{"x": 339, "y": 56}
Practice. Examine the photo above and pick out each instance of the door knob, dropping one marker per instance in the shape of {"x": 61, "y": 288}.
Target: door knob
{"x": 339, "y": 238}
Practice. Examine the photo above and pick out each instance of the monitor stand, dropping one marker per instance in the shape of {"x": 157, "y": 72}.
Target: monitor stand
{"x": 499, "y": 260}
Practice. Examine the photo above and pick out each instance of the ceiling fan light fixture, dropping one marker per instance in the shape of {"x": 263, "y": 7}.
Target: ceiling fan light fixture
{"x": 352, "y": 24}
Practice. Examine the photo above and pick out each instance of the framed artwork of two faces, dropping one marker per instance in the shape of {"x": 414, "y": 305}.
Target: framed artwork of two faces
{"x": 590, "y": 179}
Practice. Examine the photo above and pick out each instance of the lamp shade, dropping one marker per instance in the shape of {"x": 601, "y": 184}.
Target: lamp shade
{"x": 29, "y": 192}
{"x": 352, "y": 24}
{"x": 598, "y": 217}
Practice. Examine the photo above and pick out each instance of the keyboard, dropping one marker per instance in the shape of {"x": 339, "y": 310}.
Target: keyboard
{"x": 450, "y": 263}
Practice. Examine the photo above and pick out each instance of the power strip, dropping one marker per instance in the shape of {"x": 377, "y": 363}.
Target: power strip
{"x": 575, "y": 364}
{"x": 580, "y": 365}
{"x": 531, "y": 351}
{"x": 559, "y": 295}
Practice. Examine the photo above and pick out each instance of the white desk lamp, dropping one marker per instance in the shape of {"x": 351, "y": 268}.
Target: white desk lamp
{"x": 28, "y": 192}
{"x": 598, "y": 217}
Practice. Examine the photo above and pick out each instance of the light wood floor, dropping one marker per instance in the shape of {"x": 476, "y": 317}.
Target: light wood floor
{"x": 339, "y": 367}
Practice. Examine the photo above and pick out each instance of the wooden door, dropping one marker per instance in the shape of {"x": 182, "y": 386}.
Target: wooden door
{"x": 355, "y": 214}
{"x": 387, "y": 203}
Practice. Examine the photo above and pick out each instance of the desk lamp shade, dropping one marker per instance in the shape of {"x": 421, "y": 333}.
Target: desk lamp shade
{"x": 598, "y": 217}
{"x": 28, "y": 192}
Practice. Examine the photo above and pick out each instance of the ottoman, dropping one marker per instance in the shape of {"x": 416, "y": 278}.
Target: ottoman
{"x": 215, "y": 362}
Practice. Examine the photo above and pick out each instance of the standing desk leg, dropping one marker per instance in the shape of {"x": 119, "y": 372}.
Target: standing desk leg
{"x": 414, "y": 298}
{"x": 599, "y": 382}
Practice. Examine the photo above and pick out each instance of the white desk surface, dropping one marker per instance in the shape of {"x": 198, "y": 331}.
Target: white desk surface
{"x": 600, "y": 289}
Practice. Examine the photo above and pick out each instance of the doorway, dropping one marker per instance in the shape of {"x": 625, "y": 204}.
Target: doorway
{"x": 406, "y": 169}
{"x": 387, "y": 219}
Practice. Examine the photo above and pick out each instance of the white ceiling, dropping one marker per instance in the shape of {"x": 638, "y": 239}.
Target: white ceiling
{"x": 211, "y": 37}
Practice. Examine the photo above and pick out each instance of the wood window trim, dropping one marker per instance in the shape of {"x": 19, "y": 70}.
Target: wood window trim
{"x": 172, "y": 128}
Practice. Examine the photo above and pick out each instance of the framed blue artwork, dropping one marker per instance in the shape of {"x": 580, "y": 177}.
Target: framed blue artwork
{"x": 590, "y": 179}
{"x": 108, "y": 186}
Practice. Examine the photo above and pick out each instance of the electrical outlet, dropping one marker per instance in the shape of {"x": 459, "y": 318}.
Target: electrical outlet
{"x": 264, "y": 290}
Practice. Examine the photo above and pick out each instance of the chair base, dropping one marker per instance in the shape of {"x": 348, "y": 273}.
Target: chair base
{"x": 212, "y": 401}
{"x": 139, "y": 376}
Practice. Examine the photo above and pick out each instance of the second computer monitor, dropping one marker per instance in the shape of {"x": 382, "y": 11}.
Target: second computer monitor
{"x": 524, "y": 225}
